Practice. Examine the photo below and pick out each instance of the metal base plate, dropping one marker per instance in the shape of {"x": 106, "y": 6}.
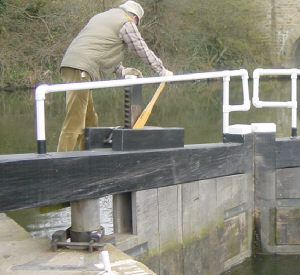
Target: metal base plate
{"x": 94, "y": 240}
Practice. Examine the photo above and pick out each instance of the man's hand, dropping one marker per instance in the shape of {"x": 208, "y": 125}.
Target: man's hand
{"x": 131, "y": 71}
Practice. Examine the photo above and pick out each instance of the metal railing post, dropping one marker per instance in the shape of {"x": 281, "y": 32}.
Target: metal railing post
{"x": 40, "y": 118}
{"x": 226, "y": 81}
{"x": 294, "y": 101}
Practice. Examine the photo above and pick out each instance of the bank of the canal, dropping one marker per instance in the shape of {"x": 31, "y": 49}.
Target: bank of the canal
{"x": 21, "y": 254}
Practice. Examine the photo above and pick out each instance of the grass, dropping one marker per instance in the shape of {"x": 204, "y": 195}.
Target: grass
{"x": 187, "y": 35}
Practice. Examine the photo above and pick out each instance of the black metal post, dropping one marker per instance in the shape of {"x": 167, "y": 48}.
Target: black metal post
{"x": 41, "y": 147}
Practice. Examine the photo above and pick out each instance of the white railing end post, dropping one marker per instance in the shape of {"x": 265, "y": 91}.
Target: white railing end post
{"x": 257, "y": 72}
{"x": 41, "y": 91}
{"x": 244, "y": 73}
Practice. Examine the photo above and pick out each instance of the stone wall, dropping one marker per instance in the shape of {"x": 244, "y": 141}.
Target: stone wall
{"x": 282, "y": 16}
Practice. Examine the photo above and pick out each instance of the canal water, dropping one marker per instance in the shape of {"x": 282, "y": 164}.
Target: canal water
{"x": 197, "y": 107}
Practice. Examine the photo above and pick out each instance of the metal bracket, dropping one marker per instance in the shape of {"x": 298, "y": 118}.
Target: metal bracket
{"x": 96, "y": 240}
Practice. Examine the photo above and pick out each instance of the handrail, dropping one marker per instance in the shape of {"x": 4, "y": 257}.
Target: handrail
{"x": 44, "y": 89}
{"x": 278, "y": 104}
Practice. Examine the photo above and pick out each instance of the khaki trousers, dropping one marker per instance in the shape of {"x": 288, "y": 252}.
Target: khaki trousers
{"x": 80, "y": 112}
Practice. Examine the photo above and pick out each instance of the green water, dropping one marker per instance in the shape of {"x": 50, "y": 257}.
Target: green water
{"x": 197, "y": 107}
{"x": 268, "y": 265}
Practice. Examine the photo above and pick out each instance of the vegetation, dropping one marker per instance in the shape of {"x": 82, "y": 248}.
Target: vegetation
{"x": 188, "y": 35}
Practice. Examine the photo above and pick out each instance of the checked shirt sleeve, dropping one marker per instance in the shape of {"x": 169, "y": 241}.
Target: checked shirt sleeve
{"x": 130, "y": 34}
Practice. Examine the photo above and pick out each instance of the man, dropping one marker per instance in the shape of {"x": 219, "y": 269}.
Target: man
{"x": 97, "y": 51}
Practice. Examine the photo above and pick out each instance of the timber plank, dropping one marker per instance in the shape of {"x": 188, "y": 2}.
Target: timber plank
{"x": 288, "y": 184}
{"x": 287, "y": 152}
{"x": 170, "y": 231}
{"x": 145, "y": 217}
{"x": 32, "y": 180}
{"x": 190, "y": 204}
{"x": 287, "y": 225}
{"x": 265, "y": 187}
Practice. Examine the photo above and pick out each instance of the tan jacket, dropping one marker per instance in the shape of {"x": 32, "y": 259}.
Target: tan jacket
{"x": 98, "y": 49}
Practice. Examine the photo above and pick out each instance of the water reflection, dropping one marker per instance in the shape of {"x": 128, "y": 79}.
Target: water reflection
{"x": 42, "y": 222}
{"x": 268, "y": 265}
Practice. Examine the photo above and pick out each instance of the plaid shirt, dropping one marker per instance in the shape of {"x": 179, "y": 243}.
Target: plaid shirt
{"x": 130, "y": 34}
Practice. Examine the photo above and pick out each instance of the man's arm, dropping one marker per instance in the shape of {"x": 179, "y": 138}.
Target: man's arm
{"x": 132, "y": 37}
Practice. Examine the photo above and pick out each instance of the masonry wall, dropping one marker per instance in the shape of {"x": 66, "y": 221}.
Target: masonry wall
{"x": 287, "y": 28}
{"x": 280, "y": 21}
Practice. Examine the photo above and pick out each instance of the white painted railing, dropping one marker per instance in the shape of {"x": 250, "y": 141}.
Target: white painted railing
{"x": 44, "y": 89}
{"x": 277, "y": 104}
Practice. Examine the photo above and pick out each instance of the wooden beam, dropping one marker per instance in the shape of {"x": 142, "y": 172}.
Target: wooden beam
{"x": 33, "y": 180}
{"x": 287, "y": 152}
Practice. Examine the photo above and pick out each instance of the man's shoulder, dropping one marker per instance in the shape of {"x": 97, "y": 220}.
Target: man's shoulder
{"x": 109, "y": 16}
{"x": 112, "y": 11}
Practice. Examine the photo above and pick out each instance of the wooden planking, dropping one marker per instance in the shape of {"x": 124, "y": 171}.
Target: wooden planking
{"x": 190, "y": 208}
{"x": 265, "y": 188}
{"x": 233, "y": 203}
{"x": 287, "y": 225}
{"x": 145, "y": 218}
{"x": 145, "y": 212}
{"x": 233, "y": 192}
{"x": 199, "y": 215}
{"x": 233, "y": 237}
{"x": 196, "y": 218}
{"x": 170, "y": 231}
{"x": 199, "y": 201}
{"x": 241, "y": 189}
{"x": 288, "y": 183}
{"x": 264, "y": 144}
{"x": 206, "y": 230}
{"x": 39, "y": 180}
{"x": 264, "y": 169}
{"x": 287, "y": 152}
